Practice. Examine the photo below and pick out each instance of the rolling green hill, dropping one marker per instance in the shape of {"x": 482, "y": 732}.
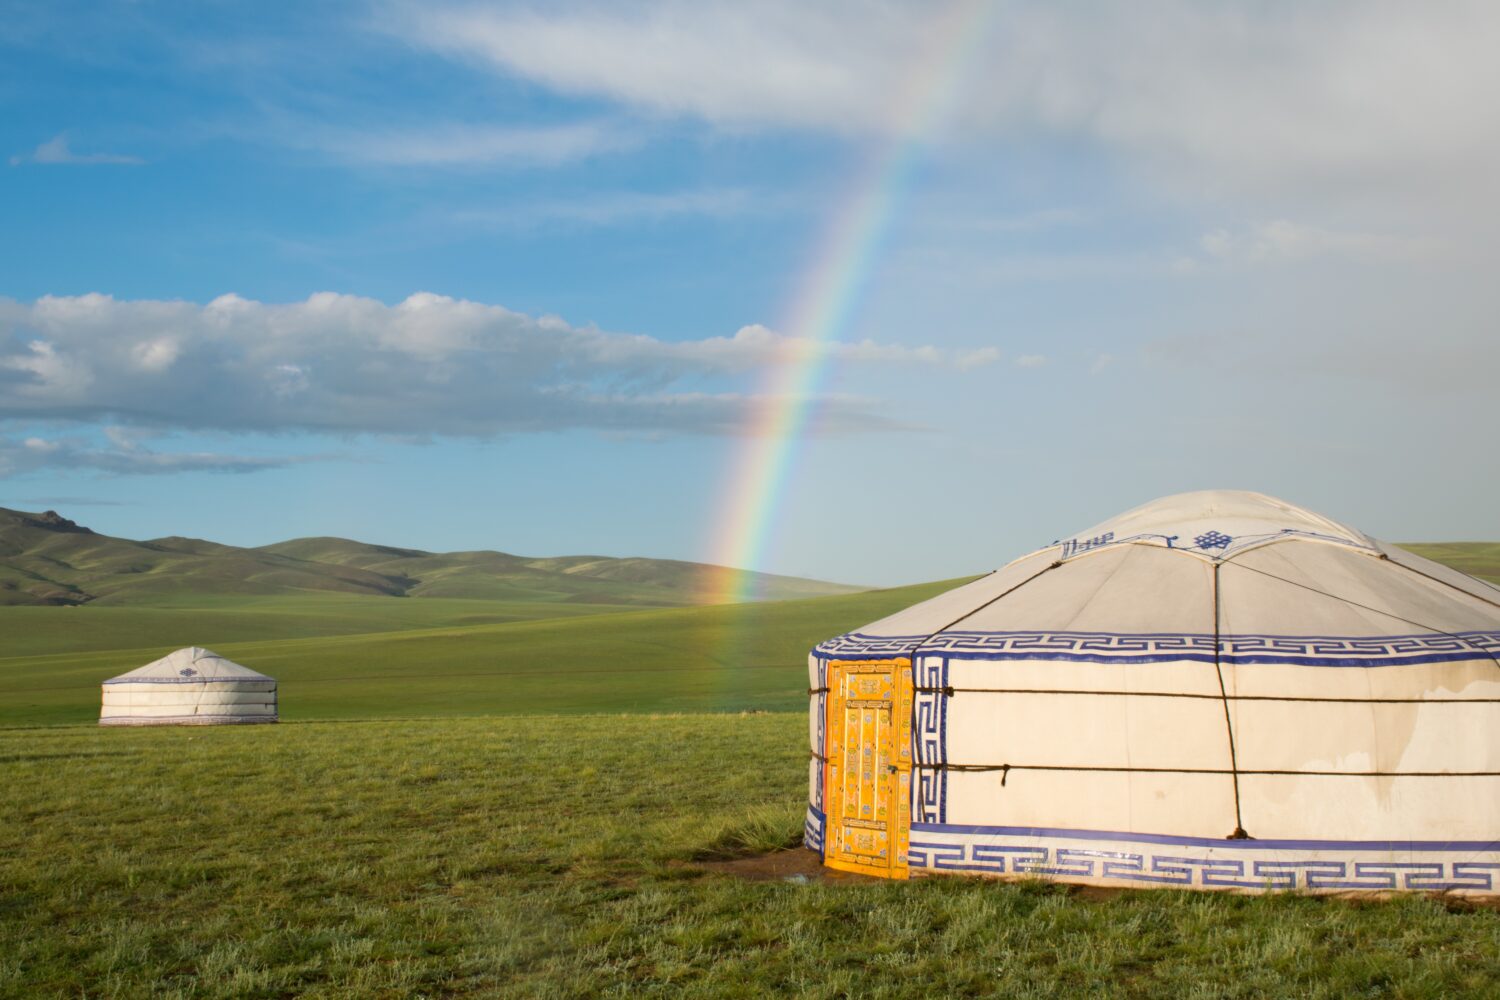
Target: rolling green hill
{"x": 46, "y": 559}
{"x": 714, "y": 658}
{"x": 501, "y": 576}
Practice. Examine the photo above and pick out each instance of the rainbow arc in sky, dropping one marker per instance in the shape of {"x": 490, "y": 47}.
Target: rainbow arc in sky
{"x": 829, "y": 294}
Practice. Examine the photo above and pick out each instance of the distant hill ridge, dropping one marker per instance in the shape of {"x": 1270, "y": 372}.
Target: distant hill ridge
{"x": 48, "y": 559}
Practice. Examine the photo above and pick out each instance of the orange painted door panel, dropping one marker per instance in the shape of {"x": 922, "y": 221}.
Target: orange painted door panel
{"x": 868, "y": 778}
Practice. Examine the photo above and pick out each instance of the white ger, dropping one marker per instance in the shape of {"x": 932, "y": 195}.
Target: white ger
{"x": 193, "y": 686}
{"x": 1214, "y": 690}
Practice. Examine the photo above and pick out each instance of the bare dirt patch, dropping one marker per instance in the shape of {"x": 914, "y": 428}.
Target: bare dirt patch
{"x": 795, "y": 865}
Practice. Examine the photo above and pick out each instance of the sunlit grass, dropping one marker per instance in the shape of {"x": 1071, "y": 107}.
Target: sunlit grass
{"x": 550, "y": 856}
{"x": 724, "y": 658}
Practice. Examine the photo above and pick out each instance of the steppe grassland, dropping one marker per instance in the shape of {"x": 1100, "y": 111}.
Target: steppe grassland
{"x": 426, "y": 661}
{"x": 551, "y": 856}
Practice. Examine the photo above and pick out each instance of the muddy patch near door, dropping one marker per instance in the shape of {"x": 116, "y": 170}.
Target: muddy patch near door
{"x": 796, "y": 865}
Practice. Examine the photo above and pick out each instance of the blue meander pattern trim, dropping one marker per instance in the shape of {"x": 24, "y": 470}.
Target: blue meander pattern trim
{"x": 821, "y": 708}
{"x": 1159, "y": 647}
{"x": 812, "y": 829}
{"x": 929, "y": 792}
{"x": 1216, "y": 843}
{"x": 855, "y": 645}
{"x": 1232, "y": 865}
{"x": 195, "y": 678}
{"x": 1256, "y": 873}
{"x": 108, "y": 720}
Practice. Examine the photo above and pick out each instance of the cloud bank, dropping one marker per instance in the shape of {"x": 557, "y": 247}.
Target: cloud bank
{"x": 465, "y": 144}
{"x": 119, "y": 455}
{"x": 1282, "y": 240}
{"x": 341, "y": 364}
{"x": 1279, "y": 91}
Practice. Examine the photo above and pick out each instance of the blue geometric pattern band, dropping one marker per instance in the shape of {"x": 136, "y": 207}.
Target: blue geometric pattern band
{"x": 1197, "y": 862}
{"x": 812, "y": 829}
{"x": 1125, "y": 648}
{"x": 929, "y": 787}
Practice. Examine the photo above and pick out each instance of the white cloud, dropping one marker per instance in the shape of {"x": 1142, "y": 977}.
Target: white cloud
{"x": 42, "y": 362}
{"x": 1031, "y": 361}
{"x": 977, "y": 358}
{"x": 756, "y": 346}
{"x": 1281, "y": 239}
{"x": 428, "y": 365}
{"x": 1237, "y": 94}
{"x": 156, "y": 355}
{"x": 772, "y": 63}
{"x": 616, "y": 208}
{"x": 57, "y": 150}
{"x": 132, "y": 457}
{"x": 464, "y": 144}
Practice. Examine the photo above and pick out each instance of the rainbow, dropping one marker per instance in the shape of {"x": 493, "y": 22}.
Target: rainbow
{"x": 825, "y": 302}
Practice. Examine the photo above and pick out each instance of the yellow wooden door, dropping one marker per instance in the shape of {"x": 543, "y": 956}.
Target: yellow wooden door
{"x": 868, "y": 780}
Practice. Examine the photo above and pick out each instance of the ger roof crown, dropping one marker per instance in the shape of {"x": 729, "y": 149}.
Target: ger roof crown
{"x": 1214, "y": 524}
{"x": 190, "y": 665}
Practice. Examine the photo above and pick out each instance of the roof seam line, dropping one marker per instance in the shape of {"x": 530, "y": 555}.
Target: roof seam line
{"x": 1378, "y": 611}
{"x": 1234, "y": 766}
{"x": 1439, "y": 580}
{"x": 969, "y": 614}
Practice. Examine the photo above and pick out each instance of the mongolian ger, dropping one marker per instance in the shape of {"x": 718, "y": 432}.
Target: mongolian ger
{"x": 1214, "y": 690}
{"x": 191, "y": 687}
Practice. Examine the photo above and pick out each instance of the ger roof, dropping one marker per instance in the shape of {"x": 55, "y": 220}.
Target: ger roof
{"x": 1195, "y": 566}
{"x": 190, "y": 665}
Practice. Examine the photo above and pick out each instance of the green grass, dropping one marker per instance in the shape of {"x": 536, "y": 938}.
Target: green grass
{"x": 521, "y": 854}
{"x": 551, "y": 857}
{"x": 718, "y": 658}
{"x": 1480, "y": 559}
{"x": 203, "y": 620}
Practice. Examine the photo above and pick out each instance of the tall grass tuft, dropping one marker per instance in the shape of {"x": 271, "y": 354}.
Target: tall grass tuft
{"x": 760, "y": 830}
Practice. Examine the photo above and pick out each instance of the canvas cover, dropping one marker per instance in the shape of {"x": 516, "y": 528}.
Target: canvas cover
{"x": 192, "y": 686}
{"x": 1218, "y": 689}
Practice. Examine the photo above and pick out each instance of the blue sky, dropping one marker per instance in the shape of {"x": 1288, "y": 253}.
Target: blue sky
{"x": 462, "y": 275}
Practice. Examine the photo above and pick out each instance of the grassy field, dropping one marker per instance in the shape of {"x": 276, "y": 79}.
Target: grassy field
{"x": 436, "y": 835}
{"x": 1481, "y": 559}
{"x": 552, "y": 857}
{"x": 356, "y": 656}
{"x": 204, "y": 620}
{"x": 720, "y": 658}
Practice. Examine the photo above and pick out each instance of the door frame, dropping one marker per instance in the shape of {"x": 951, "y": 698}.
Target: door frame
{"x": 898, "y": 787}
